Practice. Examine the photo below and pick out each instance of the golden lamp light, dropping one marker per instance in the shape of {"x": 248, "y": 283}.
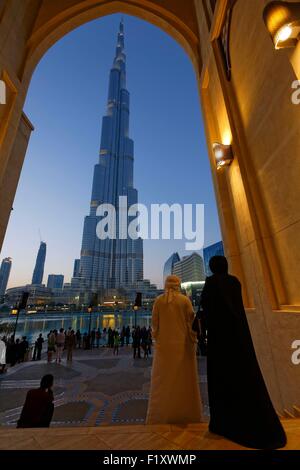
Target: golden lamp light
{"x": 14, "y": 311}
{"x": 282, "y": 20}
{"x": 223, "y": 155}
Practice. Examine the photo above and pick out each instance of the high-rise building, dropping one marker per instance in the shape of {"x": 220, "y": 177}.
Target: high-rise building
{"x": 190, "y": 268}
{"x": 76, "y": 269}
{"x": 113, "y": 263}
{"x": 38, "y": 273}
{"x": 55, "y": 281}
{"x": 217, "y": 249}
{"x": 4, "y": 275}
{"x": 169, "y": 264}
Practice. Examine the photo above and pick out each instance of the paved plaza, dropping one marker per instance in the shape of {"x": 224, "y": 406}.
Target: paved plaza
{"x": 96, "y": 389}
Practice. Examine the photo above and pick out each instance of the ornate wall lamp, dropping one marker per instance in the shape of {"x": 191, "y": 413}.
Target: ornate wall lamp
{"x": 282, "y": 20}
{"x": 223, "y": 155}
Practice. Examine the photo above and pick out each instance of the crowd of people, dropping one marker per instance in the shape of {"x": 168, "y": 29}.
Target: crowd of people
{"x": 14, "y": 351}
{"x": 58, "y": 341}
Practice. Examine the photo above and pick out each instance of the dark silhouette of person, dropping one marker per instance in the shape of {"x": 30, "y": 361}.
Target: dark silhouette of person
{"x": 109, "y": 337}
{"x": 11, "y": 351}
{"x": 149, "y": 341}
{"x": 78, "y": 339}
{"x": 38, "y": 408}
{"x": 240, "y": 407}
{"x": 127, "y": 335}
{"x": 39, "y": 346}
{"x": 123, "y": 335}
{"x": 24, "y": 348}
{"x": 18, "y": 349}
{"x": 136, "y": 342}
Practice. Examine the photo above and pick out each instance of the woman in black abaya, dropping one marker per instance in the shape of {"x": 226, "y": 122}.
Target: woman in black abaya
{"x": 240, "y": 406}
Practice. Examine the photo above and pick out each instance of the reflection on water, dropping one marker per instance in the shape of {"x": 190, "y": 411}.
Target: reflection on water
{"x": 32, "y": 325}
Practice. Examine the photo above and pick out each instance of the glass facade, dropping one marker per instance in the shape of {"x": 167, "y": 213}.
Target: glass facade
{"x": 169, "y": 265}
{"x": 38, "y": 273}
{"x": 113, "y": 263}
{"x": 55, "y": 281}
{"x": 190, "y": 268}
{"x": 4, "y": 275}
{"x": 217, "y": 249}
{"x": 76, "y": 268}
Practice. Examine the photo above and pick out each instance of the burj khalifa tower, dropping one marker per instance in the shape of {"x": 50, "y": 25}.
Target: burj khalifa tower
{"x": 112, "y": 263}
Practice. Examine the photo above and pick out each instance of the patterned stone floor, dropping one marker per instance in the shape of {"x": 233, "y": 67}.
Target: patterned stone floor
{"x": 133, "y": 437}
{"x": 96, "y": 389}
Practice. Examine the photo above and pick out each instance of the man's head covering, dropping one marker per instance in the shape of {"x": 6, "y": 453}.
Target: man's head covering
{"x": 218, "y": 265}
{"x": 172, "y": 285}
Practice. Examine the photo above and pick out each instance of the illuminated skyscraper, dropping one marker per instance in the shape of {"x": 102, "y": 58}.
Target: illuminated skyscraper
{"x": 112, "y": 263}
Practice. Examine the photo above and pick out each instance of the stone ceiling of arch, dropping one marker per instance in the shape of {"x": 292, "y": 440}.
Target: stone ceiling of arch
{"x": 183, "y": 9}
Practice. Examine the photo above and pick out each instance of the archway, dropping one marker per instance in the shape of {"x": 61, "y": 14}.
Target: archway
{"x": 251, "y": 244}
{"x": 97, "y": 56}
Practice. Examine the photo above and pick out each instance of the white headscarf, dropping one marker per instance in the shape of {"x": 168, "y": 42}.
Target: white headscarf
{"x": 172, "y": 285}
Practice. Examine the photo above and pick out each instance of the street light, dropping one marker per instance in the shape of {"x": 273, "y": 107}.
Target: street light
{"x": 223, "y": 154}
{"x": 135, "y": 308}
{"x": 93, "y": 302}
{"x": 90, "y": 309}
{"x": 15, "y": 311}
{"x": 282, "y": 20}
{"x": 137, "y": 304}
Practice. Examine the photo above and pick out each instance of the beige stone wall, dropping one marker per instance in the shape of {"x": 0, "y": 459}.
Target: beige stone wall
{"x": 258, "y": 196}
{"x": 13, "y": 170}
{"x": 262, "y": 79}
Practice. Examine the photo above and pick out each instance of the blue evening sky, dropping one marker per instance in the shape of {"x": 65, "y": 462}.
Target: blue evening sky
{"x": 66, "y": 102}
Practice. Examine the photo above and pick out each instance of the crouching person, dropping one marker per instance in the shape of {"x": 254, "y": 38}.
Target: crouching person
{"x": 38, "y": 408}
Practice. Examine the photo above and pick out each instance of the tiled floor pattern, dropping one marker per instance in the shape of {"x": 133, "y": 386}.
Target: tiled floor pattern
{"x": 96, "y": 389}
{"x": 134, "y": 437}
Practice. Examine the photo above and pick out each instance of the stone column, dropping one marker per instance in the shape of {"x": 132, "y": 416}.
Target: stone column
{"x": 9, "y": 183}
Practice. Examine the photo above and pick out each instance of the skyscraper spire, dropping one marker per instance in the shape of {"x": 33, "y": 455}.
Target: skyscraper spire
{"x": 113, "y": 263}
{"x": 121, "y": 30}
{"x": 120, "y": 57}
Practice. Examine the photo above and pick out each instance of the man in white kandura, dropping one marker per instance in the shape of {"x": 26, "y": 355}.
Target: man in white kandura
{"x": 174, "y": 392}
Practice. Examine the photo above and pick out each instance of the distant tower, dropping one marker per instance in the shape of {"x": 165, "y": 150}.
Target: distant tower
{"x": 76, "y": 269}
{"x": 55, "y": 281}
{"x": 4, "y": 275}
{"x": 113, "y": 263}
{"x": 38, "y": 273}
